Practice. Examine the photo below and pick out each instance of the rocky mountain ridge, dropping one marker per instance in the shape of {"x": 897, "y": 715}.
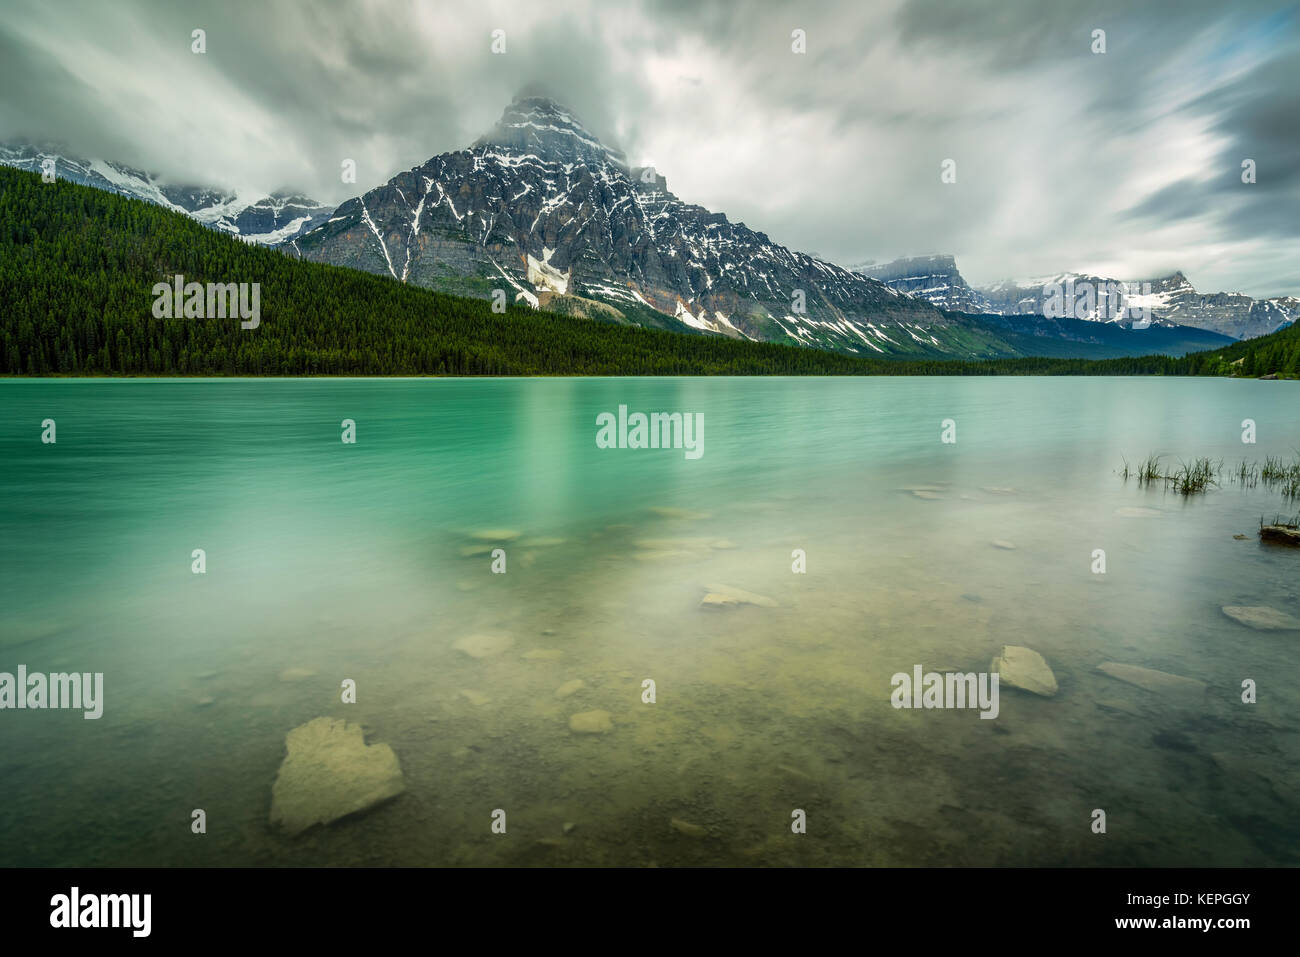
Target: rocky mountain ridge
{"x": 1172, "y": 300}
{"x": 268, "y": 220}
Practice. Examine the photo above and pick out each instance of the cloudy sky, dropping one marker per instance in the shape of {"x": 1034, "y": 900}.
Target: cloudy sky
{"x": 1127, "y": 164}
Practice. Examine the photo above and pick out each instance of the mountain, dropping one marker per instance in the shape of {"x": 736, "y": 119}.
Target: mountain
{"x": 1231, "y": 313}
{"x": 267, "y": 220}
{"x": 541, "y": 208}
{"x": 1173, "y": 300}
{"x": 78, "y": 267}
{"x": 932, "y": 278}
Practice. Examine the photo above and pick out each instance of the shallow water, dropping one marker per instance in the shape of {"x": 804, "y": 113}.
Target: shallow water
{"x": 331, "y": 561}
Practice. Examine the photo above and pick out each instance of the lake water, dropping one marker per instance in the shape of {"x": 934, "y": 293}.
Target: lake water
{"x": 328, "y": 561}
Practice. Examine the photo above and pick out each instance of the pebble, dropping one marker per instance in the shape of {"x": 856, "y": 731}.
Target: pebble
{"x": 569, "y": 687}
{"x": 687, "y": 828}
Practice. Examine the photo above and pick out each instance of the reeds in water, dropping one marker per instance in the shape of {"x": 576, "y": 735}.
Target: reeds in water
{"x": 1201, "y": 474}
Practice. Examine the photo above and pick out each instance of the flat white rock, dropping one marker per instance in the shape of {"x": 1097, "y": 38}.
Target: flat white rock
{"x": 723, "y": 596}
{"x": 1024, "y": 668}
{"x": 1262, "y": 617}
{"x": 1149, "y": 679}
{"x": 329, "y": 773}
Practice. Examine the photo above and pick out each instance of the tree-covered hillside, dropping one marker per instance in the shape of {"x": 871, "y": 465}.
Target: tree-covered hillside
{"x": 78, "y": 266}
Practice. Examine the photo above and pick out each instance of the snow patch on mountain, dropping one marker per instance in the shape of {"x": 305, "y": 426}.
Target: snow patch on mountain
{"x": 269, "y": 220}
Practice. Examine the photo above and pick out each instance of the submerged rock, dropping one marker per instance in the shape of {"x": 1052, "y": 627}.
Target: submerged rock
{"x": 725, "y": 596}
{"x": 1149, "y": 679}
{"x": 495, "y": 535}
{"x": 329, "y": 773}
{"x": 664, "y": 511}
{"x": 687, "y": 828}
{"x": 483, "y": 646}
{"x": 1116, "y": 706}
{"x": 1280, "y": 534}
{"x": 591, "y": 722}
{"x": 476, "y": 698}
{"x": 1024, "y": 668}
{"x": 297, "y": 674}
{"x": 1262, "y": 618}
{"x": 569, "y": 687}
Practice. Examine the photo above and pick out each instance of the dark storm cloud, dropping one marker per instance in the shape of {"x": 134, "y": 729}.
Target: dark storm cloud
{"x": 285, "y": 92}
{"x": 1127, "y": 162}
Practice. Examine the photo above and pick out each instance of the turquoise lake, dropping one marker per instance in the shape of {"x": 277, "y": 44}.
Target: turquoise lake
{"x": 370, "y": 562}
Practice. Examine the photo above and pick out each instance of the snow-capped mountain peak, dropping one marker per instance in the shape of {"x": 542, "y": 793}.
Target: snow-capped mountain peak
{"x": 261, "y": 219}
{"x": 541, "y": 207}
{"x": 535, "y": 125}
{"x": 1170, "y": 300}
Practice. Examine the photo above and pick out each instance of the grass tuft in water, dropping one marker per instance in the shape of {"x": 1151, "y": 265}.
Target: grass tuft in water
{"x": 1200, "y": 474}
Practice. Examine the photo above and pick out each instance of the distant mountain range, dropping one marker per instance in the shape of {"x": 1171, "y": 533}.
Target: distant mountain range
{"x": 540, "y": 211}
{"x": 264, "y": 219}
{"x": 1172, "y": 299}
